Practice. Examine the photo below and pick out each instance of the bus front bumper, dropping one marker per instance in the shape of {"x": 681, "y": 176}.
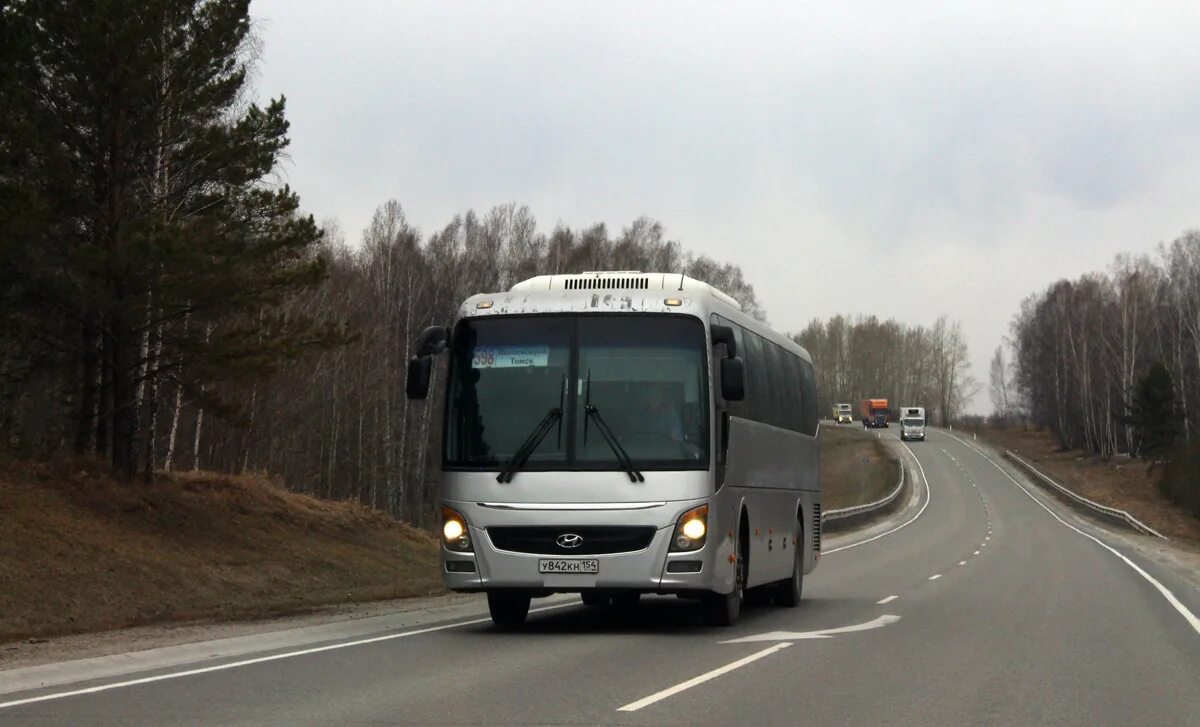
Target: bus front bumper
{"x": 653, "y": 569}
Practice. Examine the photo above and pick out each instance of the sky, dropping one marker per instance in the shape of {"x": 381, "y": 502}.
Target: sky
{"x": 899, "y": 158}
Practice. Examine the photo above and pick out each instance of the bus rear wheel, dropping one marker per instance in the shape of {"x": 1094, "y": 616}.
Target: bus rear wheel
{"x": 508, "y": 610}
{"x": 788, "y": 592}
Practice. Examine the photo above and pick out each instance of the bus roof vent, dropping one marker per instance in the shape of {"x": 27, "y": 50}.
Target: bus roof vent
{"x": 624, "y": 280}
{"x": 605, "y": 282}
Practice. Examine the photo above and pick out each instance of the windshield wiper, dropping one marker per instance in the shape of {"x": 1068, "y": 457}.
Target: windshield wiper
{"x": 527, "y": 448}
{"x": 590, "y": 412}
{"x": 622, "y": 456}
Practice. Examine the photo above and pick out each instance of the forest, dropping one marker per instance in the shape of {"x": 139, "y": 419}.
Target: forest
{"x": 1110, "y": 362}
{"x": 166, "y": 303}
{"x": 864, "y": 357}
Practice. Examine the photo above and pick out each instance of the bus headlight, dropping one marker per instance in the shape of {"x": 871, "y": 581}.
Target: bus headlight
{"x": 691, "y": 530}
{"x": 454, "y": 531}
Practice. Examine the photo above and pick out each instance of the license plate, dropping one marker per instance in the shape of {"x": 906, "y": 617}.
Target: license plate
{"x": 574, "y": 565}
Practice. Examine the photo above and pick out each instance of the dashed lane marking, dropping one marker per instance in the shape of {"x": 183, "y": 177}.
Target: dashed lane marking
{"x": 696, "y": 681}
{"x": 1165, "y": 592}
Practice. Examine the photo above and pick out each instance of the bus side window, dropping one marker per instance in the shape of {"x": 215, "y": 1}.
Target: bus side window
{"x": 797, "y": 401}
{"x": 758, "y": 390}
{"x": 780, "y": 404}
{"x": 808, "y": 383}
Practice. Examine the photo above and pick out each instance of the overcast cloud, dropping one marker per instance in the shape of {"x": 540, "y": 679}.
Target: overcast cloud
{"x": 905, "y": 159}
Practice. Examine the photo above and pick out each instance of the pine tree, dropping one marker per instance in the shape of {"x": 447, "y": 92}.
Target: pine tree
{"x": 1153, "y": 414}
{"x": 163, "y": 249}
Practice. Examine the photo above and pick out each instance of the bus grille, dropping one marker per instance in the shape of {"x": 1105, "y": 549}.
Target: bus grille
{"x": 816, "y": 528}
{"x": 596, "y": 539}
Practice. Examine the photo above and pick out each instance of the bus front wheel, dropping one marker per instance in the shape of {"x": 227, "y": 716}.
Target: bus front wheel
{"x": 508, "y": 610}
{"x": 722, "y": 609}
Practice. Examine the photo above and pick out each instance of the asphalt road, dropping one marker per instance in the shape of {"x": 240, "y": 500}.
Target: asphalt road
{"x": 978, "y": 605}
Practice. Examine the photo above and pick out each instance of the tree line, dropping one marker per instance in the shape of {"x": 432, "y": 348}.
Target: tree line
{"x": 864, "y": 357}
{"x": 145, "y": 247}
{"x": 1110, "y": 362}
{"x": 336, "y": 423}
{"x": 164, "y": 304}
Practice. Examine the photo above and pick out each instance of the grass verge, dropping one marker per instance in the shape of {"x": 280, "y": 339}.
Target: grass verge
{"x": 856, "y": 468}
{"x": 82, "y": 552}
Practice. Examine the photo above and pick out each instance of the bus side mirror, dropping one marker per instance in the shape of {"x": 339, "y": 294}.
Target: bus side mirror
{"x": 420, "y": 368}
{"x": 733, "y": 379}
{"x": 724, "y": 335}
{"x": 433, "y": 340}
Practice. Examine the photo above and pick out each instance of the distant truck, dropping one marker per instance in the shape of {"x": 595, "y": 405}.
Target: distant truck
{"x": 874, "y": 412}
{"x": 843, "y": 414}
{"x": 912, "y": 423}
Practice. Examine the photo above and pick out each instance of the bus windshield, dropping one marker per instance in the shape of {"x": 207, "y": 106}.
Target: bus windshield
{"x": 914, "y": 422}
{"x": 643, "y": 376}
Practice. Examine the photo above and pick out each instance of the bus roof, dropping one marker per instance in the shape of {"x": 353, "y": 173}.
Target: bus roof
{"x": 618, "y": 292}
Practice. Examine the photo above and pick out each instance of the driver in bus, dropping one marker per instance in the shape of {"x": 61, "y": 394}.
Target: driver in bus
{"x": 662, "y": 416}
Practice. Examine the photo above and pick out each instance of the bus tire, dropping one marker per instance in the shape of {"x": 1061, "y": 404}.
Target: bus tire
{"x": 508, "y": 610}
{"x": 788, "y": 592}
{"x": 722, "y": 609}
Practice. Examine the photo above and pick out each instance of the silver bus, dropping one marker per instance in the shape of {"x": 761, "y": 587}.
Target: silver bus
{"x": 619, "y": 434}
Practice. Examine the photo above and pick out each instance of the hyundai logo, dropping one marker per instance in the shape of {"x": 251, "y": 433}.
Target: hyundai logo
{"x": 569, "y": 540}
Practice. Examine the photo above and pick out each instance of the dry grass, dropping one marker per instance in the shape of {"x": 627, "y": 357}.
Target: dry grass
{"x": 1120, "y": 482}
{"x": 855, "y": 468}
{"x": 81, "y": 552}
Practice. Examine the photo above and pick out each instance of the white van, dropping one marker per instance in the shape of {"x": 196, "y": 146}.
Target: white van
{"x": 912, "y": 423}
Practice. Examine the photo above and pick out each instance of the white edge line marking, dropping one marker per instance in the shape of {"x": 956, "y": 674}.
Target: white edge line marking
{"x": 1190, "y": 617}
{"x": 975, "y": 553}
{"x": 694, "y": 681}
{"x": 258, "y": 660}
{"x": 889, "y": 599}
{"x": 928, "y": 497}
{"x": 962, "y": 562}
{"x": 935, "y": 576}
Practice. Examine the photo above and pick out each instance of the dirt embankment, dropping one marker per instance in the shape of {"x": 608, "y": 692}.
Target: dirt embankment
{"x": 1120, "y": 482}
{"x": 856, "y": 468}
{"x": 81, "y": 552}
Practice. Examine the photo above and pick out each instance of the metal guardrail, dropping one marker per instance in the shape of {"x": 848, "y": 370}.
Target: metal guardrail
{"x": 845, "y": 512}
{"x": 1120, "y": 517}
